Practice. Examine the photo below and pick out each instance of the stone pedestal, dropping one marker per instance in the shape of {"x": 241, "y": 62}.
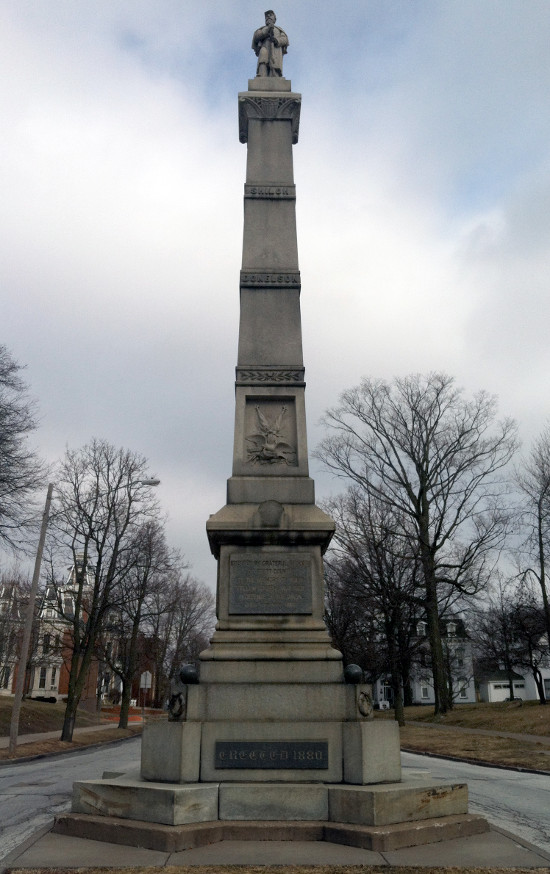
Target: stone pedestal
{"x": 272, "y": 741}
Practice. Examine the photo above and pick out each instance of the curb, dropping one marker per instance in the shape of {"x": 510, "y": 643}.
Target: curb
{"x": 520, "y": 841}
{"x": 477, "y": 762}
{"x": 107, "y": 743}
{"x": 9, "y": 860}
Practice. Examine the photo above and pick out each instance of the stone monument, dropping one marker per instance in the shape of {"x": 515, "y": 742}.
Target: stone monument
{"x": 271, "y": 742}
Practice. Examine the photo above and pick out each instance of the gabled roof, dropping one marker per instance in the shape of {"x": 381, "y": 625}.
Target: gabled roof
{"x": 497, "y": 676}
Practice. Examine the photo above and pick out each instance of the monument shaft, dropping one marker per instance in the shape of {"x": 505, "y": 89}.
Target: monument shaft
{"x": 270, "y": 536}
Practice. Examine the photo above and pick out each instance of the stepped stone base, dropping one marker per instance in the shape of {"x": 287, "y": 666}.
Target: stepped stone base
{"x": 171, "y": 839}
{"x": 411, "y": 800}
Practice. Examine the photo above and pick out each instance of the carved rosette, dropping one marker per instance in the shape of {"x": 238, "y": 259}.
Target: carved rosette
{"x": 270, "y": 108}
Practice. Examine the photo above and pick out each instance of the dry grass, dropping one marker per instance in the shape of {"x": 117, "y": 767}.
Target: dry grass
{"x": 485, "y": 748}
{"x": 445, "y": 735}
{"x": 280, "y": 869}
{"x": 527, "y": 717}
{"x": 39, "y": 716}
{"x": 83, "y": 739}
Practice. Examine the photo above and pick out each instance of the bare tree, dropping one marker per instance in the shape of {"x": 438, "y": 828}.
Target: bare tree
{"x": 181, "y": 626}
{"x": 534, "y": 481}
{"x": 149, "y": 570}
{"x": 438, "y": 460}
{"x": 382, "y": 573}
{"x": 531, "y": 648}
{"x": 21, "y": 470}
{"x": 493, "y": 629}
{"x": 14, "y": 595}
{"x": 102, "y": 500}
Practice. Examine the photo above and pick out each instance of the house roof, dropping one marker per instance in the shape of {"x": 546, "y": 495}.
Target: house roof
{"x": 498, "y": 675}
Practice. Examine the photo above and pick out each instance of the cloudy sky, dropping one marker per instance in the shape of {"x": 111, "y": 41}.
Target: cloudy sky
{"x": 423, "y": 183}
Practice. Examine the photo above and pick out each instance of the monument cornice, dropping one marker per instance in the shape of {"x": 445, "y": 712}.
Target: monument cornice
{"x": 280, "y": 107}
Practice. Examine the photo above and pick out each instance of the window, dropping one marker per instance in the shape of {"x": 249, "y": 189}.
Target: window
{"x": 460, "y": 658}
{"x": 52, "y": 678}
{"x": 42, "y": 680}
{"x": 463, "y": 688}
{"x": 46, "y": 644}
{"x": 424, "y": 692}
{"x": 5, "y": 677}
{"x": 519, "y": 685}
{"x": 451, "y": 629}
{"x": 421, "y": 629}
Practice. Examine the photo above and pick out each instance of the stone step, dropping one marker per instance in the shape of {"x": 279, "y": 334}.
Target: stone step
{"x": 411, "y": 800}
{"x": 171, "y": 839}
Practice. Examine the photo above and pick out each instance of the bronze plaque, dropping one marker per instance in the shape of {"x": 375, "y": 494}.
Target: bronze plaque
{"x": 272, "y": 754}
{"x": 270, "y": 583}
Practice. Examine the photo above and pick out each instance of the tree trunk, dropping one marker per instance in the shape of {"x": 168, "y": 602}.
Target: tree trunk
{"x": 540, "y": 685}
{"x": 395, "y": 671}
{"x": 131, "y": 663}
{"x": 441, "y": 688}
{"x": 125, "y": 702}
{"x": 77, "y": 679}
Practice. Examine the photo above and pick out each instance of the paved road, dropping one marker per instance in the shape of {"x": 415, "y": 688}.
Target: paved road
{"x": 511, "y": 800}
{"x": 32, "y": 793}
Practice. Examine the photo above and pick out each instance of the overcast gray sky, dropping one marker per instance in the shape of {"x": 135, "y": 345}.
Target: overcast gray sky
{"x": 423, "y": 184}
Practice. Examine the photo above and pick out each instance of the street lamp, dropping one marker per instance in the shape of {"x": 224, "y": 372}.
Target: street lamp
{"x": 29, "y": 616}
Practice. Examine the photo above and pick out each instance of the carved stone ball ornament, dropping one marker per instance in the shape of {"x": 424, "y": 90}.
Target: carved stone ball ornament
{"x": 177, "y": 705}
{"x": 353, "y": 674}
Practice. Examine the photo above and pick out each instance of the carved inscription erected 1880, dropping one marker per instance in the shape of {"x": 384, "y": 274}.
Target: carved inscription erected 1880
{"x": 272, "y": 754}
{"x": 271, "y": 583}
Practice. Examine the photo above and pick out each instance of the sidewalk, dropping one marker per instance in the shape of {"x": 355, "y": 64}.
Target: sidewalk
{"x": 52, "y": 735}
{"x": 495, "y": 849}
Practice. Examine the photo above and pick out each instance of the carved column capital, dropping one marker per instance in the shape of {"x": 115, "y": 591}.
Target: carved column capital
{"x": 285, "y": 107}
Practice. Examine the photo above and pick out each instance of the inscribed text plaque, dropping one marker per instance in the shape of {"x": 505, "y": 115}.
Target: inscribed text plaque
{"x": 269, "y": 584}
{"x": 272, "y": 755}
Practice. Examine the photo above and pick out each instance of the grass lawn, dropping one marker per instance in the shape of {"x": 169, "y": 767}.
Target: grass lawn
{"x": 41, "y": 716}
{"x": 445, "y": 736}
{"x": 522, "y": 717}
{"x": 38, "y": 716}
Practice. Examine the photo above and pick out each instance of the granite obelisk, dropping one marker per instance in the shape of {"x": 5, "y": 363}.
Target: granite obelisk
{"x": 271, "y": 740}
{"x": 270, "y": 536}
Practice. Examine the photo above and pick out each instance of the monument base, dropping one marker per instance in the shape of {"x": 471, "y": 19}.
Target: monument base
{"x": 172, "y": 839}
{"x": 126, "y": 809}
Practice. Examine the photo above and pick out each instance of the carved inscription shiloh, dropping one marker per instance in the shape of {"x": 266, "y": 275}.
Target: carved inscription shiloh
{"x": 270, "y": 192}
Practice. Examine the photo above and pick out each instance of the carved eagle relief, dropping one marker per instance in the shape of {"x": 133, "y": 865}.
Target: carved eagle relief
{"x": 268, "y": 445}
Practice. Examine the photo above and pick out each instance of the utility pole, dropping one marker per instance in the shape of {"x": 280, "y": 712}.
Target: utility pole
{"x": 27, "y": 631}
